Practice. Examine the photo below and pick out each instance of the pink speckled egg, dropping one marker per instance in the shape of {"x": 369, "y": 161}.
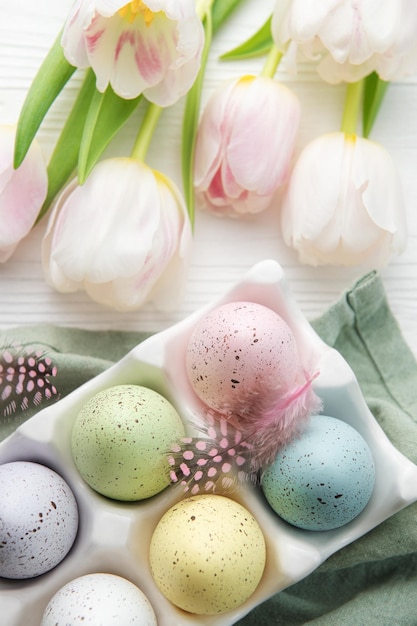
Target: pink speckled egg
{"x": 237, "y": 353}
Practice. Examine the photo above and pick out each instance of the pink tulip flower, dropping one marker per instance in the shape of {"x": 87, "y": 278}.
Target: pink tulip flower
{"x": 344, "y": 203}
{"x": 22, "y": 192}
{"x": 244, "y": 145}
{"x": 123, "y": 237}
{"x": 349, "y": 40}
{"x": 152, "y": 47}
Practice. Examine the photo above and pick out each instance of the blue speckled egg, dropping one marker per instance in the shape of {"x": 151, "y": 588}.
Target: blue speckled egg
{"x": 324, "y": 478}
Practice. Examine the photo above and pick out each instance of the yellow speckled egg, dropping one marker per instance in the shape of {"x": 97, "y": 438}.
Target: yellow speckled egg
{"x": 207, "y": 554}
{"x": 120, "y": 440}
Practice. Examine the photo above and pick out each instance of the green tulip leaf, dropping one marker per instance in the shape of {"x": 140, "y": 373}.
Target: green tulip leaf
{"x": 64, "y": 159}
{"x": 221, "y": 10}
{"x": 49, "y": 81}
{"x": 190, "y": 124}
{"x": 374, "y": 93}
{"x": 107, "y": 114}
{"x": 260, "y": 43}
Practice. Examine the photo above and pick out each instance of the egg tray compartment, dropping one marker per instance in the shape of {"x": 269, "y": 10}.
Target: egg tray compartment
{"x": 114, "y": 537}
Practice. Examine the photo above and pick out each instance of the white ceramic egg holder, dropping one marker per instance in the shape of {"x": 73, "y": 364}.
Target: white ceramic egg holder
{"x": 114, "y": 537}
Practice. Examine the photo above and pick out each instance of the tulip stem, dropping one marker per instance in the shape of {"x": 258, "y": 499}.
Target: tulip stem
{"x": 146, "y": 131}
{"x": 203, "y": 7}
{"x": 353, "y": 99}
{"x": 272, "y": 61}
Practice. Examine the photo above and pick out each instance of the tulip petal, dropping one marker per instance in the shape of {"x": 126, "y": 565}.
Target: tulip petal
{"x": 383, "y": 191}
{"x": 22, "y": 192}
{"x": 120, "y": 212}
{"x": 354, "y": 32}
{"x": 175, "y": 84}
{"x": 280, "y": 30}
{"x": 306, "y": 17}
{"x": 119, "y": 55}
{"x": 250, "y": 142}
{"x": 72, "y": 40}
{"x": 164, "y": 271}
{"x": 107, "y": 8}
{"x": 210, "y": 138}
{"x": 311, "y": 197}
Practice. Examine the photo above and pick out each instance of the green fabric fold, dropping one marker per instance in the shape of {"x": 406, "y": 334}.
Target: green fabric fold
{"x": 373, "y": 581}
{"x": 78, "y": 355}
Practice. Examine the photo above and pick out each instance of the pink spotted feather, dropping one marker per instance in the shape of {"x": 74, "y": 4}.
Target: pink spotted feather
{"x": 235, "y": 447}
{"x": 26, "y": 379}
{"x": 269, "y": 423}
{"x": 216, "y": 461}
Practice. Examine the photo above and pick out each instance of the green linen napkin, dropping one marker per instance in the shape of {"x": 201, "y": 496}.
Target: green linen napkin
{"x": 372, "y": 582}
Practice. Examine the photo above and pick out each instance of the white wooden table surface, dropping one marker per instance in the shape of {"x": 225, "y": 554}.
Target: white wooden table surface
{"x": 223, "y": 249}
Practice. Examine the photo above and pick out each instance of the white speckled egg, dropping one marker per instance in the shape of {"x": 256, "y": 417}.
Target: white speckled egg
{"x": 324, "y": 478}
{"x": 239, "y": 350}
{"x": 207, "y": 554}
{"x": 99, "y": 600}
{"x": 120, "y": 440}
{"x": 38, "y": 519}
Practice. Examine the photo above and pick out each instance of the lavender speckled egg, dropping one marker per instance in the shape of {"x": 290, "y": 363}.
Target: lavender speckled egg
{"x": 324, "y": 478}
{"x": 239, "y": 350}
{"x": 120, "y": 440}
{"x": 207, "y": 554}
{"x": 104, "y": 599}
{"x": 38, "y": 519}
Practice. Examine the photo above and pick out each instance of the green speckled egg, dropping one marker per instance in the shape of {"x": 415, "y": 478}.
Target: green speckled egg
{"x": 120, "y": 440}
{"x": 207, "y": 554}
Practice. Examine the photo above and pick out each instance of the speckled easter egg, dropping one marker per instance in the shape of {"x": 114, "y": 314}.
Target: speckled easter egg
{"x": 120, "y": 440}
{"x": 38, "y": 519}
{"x": 324, "y": 478}
{"x": 100, "y": 598}
{"x": 207, "y": 554}
{"x": 239, "y": 350}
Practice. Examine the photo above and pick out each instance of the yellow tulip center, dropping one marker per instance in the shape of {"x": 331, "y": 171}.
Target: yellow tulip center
{"x": 351, "y": 137}
{"x": 136, "y": 8}
{"x": 246, "y": 78}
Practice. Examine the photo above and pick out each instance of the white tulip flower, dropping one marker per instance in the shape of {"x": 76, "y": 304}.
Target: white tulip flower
{"x": 349, "y": 40}
{"x": 123, "y": 237}
{"x": 245, "y": 143}
{"x": 344, "y": 203}
{"x": 152, "y": 47}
